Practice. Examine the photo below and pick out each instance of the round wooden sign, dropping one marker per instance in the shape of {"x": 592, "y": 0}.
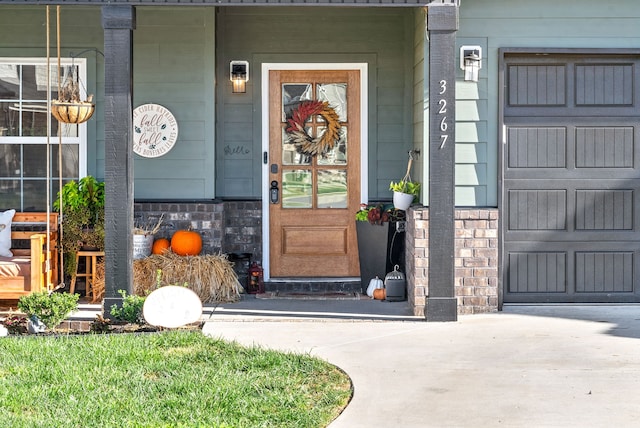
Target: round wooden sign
{"x": 172, "y": 306}
{"x": 155, "y": 130}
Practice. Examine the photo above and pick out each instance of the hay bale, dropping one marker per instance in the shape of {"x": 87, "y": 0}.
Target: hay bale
{"x": 98, "y": 282}
{"x": 210, "y": 276}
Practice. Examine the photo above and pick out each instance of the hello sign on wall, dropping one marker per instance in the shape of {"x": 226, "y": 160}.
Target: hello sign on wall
{"x": 155, "y": 130}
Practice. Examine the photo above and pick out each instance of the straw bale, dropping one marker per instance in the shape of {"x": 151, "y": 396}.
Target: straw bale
{"x": 210, "y": 276}
{"x": 98, "y": 282}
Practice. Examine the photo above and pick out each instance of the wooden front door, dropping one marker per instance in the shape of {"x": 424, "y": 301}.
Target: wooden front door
{"x": 314, "y": 196}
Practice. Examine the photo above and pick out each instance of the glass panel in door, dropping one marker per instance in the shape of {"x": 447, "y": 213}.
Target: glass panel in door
{"x": 322, "y": 186}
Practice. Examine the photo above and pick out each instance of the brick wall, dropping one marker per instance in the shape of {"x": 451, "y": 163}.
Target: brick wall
{"x": 476, "y": 260}
{"x": 225, "y": 226}
{"x": 236, "y": 227}
{"x": 243, "y": 228}
{"x": 205, "y": 218}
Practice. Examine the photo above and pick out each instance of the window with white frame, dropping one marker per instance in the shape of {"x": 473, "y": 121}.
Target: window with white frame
{"x": 31, "y": 160}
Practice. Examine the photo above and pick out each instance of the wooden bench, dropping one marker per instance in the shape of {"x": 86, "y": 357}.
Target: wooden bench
{"x": 26, "y": 272}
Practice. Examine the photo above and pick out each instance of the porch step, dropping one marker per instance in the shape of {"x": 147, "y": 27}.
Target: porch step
{"x": 324, "y": 285}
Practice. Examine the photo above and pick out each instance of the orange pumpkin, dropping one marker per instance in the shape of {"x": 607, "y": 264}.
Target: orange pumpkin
{"x": 379, "y": 294}
{"x": 160, "y": 245}
{"x": 186, "y": 243}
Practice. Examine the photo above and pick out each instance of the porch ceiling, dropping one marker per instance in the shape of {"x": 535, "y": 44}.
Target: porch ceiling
{"x": 350, "y": 3}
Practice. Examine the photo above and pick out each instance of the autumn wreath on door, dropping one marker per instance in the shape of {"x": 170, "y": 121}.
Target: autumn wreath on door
{"x": 305, "y": 143}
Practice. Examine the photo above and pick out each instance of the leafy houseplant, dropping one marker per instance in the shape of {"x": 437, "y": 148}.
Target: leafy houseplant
{"x": 409, "y": 187}
{"x": 82, "y": 214}
{"x": 405, "y": 191}
{"x": 379, "y": 214}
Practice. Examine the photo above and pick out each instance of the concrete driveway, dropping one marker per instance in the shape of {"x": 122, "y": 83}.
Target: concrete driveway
{"x": 528, "y": 366}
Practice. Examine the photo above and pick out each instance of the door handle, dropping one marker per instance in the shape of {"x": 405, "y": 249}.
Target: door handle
{"x": 274, "y": 192}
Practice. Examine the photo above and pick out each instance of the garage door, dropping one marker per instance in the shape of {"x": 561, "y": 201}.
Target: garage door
{"x": 570, "y": 178}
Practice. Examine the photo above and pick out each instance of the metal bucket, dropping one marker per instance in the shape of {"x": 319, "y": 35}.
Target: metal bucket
{"x": 142, "y": 245}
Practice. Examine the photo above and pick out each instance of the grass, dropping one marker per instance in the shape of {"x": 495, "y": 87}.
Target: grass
{"x": 168, "y": 379}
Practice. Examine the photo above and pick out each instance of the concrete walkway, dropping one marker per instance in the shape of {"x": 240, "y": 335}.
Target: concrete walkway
{"x": 528, "y": 366}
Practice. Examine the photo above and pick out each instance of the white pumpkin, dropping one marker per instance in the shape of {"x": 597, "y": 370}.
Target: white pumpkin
{"x": 373, "y": 284}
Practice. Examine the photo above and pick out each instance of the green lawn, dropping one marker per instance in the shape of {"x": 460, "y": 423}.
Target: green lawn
{"x": 168, "y": 379}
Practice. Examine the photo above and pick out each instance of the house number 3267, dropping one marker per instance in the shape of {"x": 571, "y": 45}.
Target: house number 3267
{"x": 442, "y": 111}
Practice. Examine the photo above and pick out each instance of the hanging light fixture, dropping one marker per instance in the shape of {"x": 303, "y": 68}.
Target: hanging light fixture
{"x": 239, "y": 75}
{"x": 68, "y": 108}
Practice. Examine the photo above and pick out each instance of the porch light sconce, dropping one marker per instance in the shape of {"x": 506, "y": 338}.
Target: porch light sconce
{"x": 471, "y": 62}
{"x": 239, "y": 75}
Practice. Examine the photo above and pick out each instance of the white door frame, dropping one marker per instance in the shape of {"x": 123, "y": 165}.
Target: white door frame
{"x": 364, "y": 138}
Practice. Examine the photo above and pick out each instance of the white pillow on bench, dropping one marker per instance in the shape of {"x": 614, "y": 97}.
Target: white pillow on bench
{"x": 5, "y": 233}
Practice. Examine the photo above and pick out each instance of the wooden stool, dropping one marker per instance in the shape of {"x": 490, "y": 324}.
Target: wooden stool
{"x": 91, "y": 258}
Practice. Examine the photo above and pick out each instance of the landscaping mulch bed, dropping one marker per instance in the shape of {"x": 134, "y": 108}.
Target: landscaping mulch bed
{"x": 74, "y": 327}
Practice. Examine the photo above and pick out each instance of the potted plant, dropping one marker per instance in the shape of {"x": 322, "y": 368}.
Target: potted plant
{"x": 82, "y": 214}
{"x": 405, "y": 191}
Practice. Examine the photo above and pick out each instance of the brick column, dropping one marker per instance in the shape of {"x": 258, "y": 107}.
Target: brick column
{"x": 476, "y": 260}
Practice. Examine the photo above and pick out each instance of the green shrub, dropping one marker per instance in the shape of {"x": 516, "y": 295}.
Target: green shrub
{"x": 51, "y": 309}
{"x": 131, "y": 310}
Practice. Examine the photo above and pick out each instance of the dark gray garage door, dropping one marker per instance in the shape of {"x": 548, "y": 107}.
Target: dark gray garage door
{"x": 570, "y": 177}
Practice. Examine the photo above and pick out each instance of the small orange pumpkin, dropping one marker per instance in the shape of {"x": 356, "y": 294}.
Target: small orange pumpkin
{"x": 160, "y": 245}
{"x": 186, "y": 243}
{"x": 379, "y": 294}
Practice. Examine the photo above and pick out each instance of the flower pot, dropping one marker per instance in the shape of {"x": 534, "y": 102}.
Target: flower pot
{"x": 402, "y": 201}
{"x": 372, "y": 250}
{"x": 72, "y": 112}
{"x": 380, "y": 247}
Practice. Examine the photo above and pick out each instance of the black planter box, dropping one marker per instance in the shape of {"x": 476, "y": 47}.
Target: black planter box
{"x": 380, "y": 248}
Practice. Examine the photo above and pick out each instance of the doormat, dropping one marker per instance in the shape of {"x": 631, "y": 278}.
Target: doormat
{"x": 298, "y": 295}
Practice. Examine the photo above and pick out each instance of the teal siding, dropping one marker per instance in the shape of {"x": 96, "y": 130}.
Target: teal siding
{"x": 23, "y": 34}
{"x": 472, "y": 183}
{"x": 174, "y": 66}
{"x": 380, "y": 37}
{"x": 495, "y": 24}
{"x": 175, "y": 54}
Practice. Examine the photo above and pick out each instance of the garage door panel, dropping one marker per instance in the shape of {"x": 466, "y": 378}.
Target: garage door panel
{"x": 539, "y": 85}
{"x": 581, "y": 205}
{"x": 604, "y": 84}
{"x": 593, "y": 174}
{"x": 537, "y": 272}
{"x": 562, "y": 150}
{"x": 604, "y": 210}
{"x": 537, "y": 147}
{"x": 547, "y": 237}
{"x": 537, "y": 209}
{"x": 604, "y": 147}
{"x": 568, "y": 272}
{"x": 604, "y": 272}
{"x": 546, "y": 276}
